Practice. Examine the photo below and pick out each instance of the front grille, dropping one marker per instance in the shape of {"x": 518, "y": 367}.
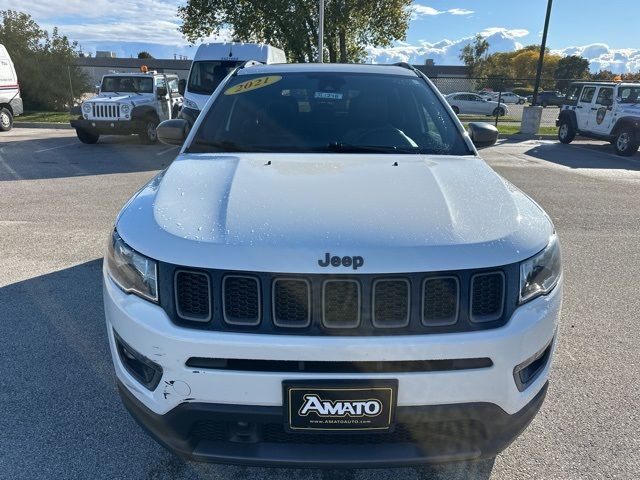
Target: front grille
{"x": 106, "y": 110}
{"x": 193, "y": 296}
{"x": 391, "y": 303}
{"x": 426, "y": 433}
{"x": 325, "y": 304}
{"x": 341, "y": 304}
{"x": 487, "y": 296}
{"x": 440, "y": 299}
{"x": 241, "y": 296}
{"x": 291, "y": 302}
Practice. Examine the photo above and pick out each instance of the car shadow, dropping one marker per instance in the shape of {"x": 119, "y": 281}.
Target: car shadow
{"x": 60, "y": 156}
{"x": 59, "y": 399}
{"x": 584, "y": 156}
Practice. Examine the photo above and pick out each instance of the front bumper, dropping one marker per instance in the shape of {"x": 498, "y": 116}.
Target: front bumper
{"x": 109, "y": 127}
{"x": 243, "y": 434}
{"x": 487, "y": 396}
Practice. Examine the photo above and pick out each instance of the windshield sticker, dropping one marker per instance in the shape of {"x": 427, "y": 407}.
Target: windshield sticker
{"x": 328, "y": 95}
{"x": 253, "y": 84}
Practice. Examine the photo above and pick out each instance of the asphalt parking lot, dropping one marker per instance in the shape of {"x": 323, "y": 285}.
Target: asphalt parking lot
{"x": 61, "y": 416}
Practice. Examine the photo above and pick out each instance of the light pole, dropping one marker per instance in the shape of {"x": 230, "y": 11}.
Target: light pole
{"x": 543, "y": 47}
{"x": 321, "y": 32}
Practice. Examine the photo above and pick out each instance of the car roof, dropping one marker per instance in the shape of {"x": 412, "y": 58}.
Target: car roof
{"x": 327, "y": 67}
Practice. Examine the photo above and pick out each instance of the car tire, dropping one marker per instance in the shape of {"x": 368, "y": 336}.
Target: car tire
{"x": 625, "y": 145}
{"x": 520, "y": 102}
{"x": 456, "y": 110}
{"x": 566, "y": 132}
{"x": 544, "y": 104}
{"x": 87, "y": 137}
{"x": 6, "y": 120}
{"x": 498, "y": 111}
{"x": 149, "y": 134}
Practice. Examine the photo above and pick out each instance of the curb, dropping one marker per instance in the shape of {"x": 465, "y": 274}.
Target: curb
{"x": 523, "y": 137}
{"x": 55, "y": 126}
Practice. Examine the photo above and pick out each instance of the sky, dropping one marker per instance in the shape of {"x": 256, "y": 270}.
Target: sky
{"x": 438, "y": 29}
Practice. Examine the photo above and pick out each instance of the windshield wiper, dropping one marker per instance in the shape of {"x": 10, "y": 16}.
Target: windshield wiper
{"x": 352, "y": 148}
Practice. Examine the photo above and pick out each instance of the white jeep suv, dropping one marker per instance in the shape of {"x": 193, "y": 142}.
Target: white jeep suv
{"x": 129, "y": 103}
{"x": 329, "y": 275}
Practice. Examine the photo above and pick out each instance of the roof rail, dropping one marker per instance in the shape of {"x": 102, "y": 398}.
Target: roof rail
{"x": 406, "y": 65}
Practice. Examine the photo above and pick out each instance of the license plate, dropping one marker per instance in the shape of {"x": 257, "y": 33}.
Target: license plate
{"x": 335, "y": 406}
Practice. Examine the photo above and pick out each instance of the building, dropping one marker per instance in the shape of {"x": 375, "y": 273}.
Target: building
{"x": 96, "y": 68}
{"x": 105, "y": 54}
{"x": 448, "y": 78}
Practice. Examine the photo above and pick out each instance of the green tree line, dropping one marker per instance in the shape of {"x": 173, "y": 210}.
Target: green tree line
{"x": 44, "y": 63}
{"x": 350, "y": 25}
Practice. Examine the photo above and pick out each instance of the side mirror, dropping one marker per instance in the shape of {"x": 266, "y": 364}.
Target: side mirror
{"x": 97, "y": 89}
{"x": 482, "y": 134}
{"x": 173, "y": 132}
{"x": 161, "y": 92}
{"x": 182, "y": 86}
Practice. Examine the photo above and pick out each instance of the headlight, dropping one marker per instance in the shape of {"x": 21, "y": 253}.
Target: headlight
{"x": 540, "y": 274}
{"x": 130, "y": 270}
{"x": 125, "y": 108}
{"x": 190, "y": 104}
{"x": 86, "y": 107}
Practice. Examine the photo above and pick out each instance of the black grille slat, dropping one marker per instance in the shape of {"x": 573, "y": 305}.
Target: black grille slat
{"x": 193, "y": 296}
{"x": 241, "y": 300}
{"x": 291, "y": 302}
{"x": 440, "y": 300}
{"x": 341, "y": 303}
{"x": 391, "y": 303}
{"x": 487, "y": 296}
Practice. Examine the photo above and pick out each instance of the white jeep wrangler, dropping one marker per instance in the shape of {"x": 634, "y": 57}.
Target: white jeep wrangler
{"x": 129, "y": 103}
{"x": 607, "y": 111}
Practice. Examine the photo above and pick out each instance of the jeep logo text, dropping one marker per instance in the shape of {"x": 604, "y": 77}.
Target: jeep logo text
{"x": 340, "y": 408}
{"x": 335, "y": 261}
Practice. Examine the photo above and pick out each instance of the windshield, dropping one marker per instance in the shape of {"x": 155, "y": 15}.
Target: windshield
{"x": 206, "y": 76}
{"x": 629, "y": 94}
{"x": 321, "y": 112}
{"x": 121, "y": 84}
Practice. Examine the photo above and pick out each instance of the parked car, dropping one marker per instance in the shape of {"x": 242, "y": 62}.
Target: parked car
{"x": 470, "y": 103}
{"x": 329, "y": 255}
{"x": 510, "y": 97}
{"x": 10, "y": 101}
{"x": 602, "y": 110}
{"x": 212, "y": 63}
{"x": 129, "y": 103}
{"x": 550, "y": 98}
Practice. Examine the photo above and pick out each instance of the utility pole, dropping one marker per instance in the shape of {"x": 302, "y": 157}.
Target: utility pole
{"x": 542, "y": 49}
{"x": 321, "y": 32}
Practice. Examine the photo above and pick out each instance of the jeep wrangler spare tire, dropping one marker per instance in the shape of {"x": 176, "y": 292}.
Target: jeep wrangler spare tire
{"x": 566, "y": 132}
{"x": 87, "y": 137}
{"x": 6, "y": 120}
{"x": 625, "y": 143}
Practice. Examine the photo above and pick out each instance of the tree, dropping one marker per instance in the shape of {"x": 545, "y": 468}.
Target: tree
{"x": 573, "y": 67}
{"x": 473, "y": 54}
{"x": 350, "y": 25}
{"x": 45, "y": 64}
{"x": 144, "y": 54}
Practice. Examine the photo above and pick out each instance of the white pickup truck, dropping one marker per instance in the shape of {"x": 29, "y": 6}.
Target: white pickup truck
{"x": 10, "y": 101}
{"x": 329, "y": 274}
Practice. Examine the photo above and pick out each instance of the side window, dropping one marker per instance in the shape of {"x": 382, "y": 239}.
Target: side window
{"x": 572, "y": 94}
{"x": 605, "y": 96}
{"x": 160, "y": 82}
{"x": 173, "y": 85}
{"x": 587, "y": 94}
{"x": 460, "y": 97}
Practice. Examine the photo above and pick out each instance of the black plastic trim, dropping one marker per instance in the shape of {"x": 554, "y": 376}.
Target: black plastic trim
{"x": 150, "y": 385}
{"x": 175, "y": 292}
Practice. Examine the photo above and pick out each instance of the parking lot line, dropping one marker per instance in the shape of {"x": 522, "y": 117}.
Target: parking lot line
{"x": 55, "y": 148}
{"x": 166, "y": 151}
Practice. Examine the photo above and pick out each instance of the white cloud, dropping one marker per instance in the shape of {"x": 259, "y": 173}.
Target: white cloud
{"x": 603, "y": 57}
{"x": 509, "y": 33}
{"x": 419, "y": 11}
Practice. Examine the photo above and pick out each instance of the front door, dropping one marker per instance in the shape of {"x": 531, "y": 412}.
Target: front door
{"x": 583, "y": 109}
{"x": 163, "y": 102}
{"x": 602, "y": 112}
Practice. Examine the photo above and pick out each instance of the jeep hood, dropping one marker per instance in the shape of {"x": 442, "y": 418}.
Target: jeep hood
{"x": 282, "y": 213}
{"x": 112, "y": 98}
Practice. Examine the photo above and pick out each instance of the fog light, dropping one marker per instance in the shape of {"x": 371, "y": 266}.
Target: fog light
{"x": 526, "y": 373}
{"x": 139, "y": 367}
